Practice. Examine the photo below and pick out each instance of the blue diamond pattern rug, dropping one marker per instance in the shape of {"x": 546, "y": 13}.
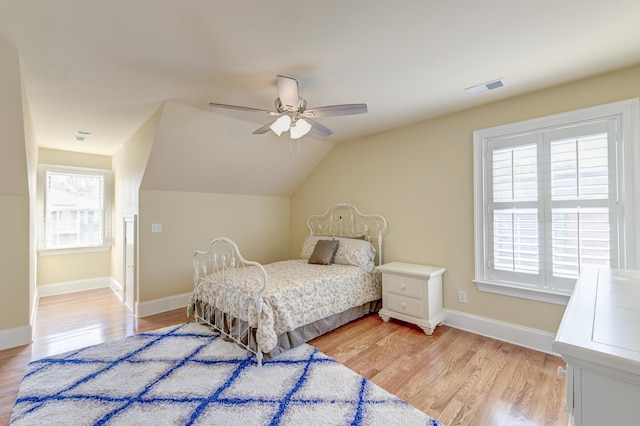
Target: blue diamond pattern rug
{"x": 188, "y": 375}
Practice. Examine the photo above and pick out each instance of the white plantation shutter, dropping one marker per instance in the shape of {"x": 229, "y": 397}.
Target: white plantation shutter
{"x": 515, "y": 173}
{"x": 549, "y": 199}
{"x": 583, "y": 200}
{"x": 515, "y": 240}
{"x": 514, "y": 206}
{"x": 579, "y": 238}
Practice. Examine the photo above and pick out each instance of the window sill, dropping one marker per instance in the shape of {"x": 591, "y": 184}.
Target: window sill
{"x": 74, "y": 250}
{"x": 556, "y": 298}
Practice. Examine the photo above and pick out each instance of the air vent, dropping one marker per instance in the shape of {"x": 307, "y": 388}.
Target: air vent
{"x": 485, "y": 87}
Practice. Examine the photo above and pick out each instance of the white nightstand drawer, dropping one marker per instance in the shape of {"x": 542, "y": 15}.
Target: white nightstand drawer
{"x": 404, "y": 305}
{"x": 405, "y": 286}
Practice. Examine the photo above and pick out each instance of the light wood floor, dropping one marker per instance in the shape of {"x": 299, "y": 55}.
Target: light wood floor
{"x": 457, "y": 377}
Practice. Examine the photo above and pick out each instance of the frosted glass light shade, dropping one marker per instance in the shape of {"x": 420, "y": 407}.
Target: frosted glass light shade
{"x": 281, "y": 124}
{"x": 301, "y": 128}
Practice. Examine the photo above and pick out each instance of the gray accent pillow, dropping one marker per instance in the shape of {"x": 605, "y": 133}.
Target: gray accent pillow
{"x": 324, "y": 252}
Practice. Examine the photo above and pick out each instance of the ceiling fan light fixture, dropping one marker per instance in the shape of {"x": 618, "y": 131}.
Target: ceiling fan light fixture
{"x": 290, "y": 110}
{"x": 282, "y": 124}
{"x": 300, "y": 128}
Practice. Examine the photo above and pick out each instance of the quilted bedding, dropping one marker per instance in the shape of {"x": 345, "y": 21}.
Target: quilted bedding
{"x": 297, "y": 294}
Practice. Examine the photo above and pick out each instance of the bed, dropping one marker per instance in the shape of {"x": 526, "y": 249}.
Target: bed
{"x": 270, "y": 308}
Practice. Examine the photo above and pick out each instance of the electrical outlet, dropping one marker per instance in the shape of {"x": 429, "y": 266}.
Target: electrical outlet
{"x": 462, "y": 296}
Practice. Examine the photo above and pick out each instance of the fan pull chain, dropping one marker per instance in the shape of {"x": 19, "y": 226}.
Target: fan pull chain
{"x": 291, "y": 147}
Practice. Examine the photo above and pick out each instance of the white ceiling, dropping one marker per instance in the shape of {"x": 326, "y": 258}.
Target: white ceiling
{"x": 105, "y": 66}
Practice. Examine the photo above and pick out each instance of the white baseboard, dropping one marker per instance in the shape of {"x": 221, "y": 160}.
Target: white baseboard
{"x": 152, "y": 307}
{"x": 73, "y": 286}
{"x": 23, "y": 335}
{"x": 507, "y": 332}
{"x": 143, "y": 309}
{"x": 13, "y": 337}
{"x": 522, "y": 336}
{"x": 117, "y": 288}
{"x": 34, "y": 308}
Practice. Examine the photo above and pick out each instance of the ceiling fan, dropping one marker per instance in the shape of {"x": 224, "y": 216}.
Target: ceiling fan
{"x": 292, "y": 113}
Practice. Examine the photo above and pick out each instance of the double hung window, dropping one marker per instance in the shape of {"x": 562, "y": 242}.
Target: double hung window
{"x": 554, "y": 196}
{"x": 75, "y": 205}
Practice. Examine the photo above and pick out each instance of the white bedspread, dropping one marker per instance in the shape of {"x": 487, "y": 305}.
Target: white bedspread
{"x": 297, "y": 294}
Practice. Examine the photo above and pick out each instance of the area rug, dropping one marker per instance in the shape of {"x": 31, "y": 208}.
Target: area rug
{"x": 187, "y": 375}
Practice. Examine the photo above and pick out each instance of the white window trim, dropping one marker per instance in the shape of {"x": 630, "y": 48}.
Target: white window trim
{"x": 629, "y": 111}
{"x": 40, "y": 201}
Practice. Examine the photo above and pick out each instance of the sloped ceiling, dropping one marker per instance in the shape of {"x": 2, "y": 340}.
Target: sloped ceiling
{"x": 190, "y": 153}
{"x": 106, "y": 66}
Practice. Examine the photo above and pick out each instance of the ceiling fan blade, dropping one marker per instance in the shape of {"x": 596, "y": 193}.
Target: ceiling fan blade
{"x": 319, "y": 129}
{"x": 264, "y": 129}
{"x": 288, "y": 92}
{"x": 334, "y": 110}
{"x": 241, "y": 108}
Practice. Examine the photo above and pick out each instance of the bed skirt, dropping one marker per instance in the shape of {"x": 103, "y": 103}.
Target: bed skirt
{"x": 289, "y": 339}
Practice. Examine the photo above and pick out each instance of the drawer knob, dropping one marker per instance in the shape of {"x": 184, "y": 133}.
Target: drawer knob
{"x": 403, "y": 305}
{"x": 402, "y": 286}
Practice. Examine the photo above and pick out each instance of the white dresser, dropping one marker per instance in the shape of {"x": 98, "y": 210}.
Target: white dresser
{"x": 599, "y": 338}
{"x": 412, "y": 293}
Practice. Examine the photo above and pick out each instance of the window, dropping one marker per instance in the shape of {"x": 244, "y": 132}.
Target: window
{"x": 553, "y": 196}
{"x": 75, "y": 205}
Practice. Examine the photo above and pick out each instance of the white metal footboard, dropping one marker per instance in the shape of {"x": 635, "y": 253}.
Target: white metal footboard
{"x": 228, "y": 292}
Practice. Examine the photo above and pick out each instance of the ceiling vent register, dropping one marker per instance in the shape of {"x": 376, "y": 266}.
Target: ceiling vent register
{"x": 485, "y": 87}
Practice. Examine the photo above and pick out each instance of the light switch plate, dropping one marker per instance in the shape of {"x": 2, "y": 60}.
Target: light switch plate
{"x": 156, "y": 227}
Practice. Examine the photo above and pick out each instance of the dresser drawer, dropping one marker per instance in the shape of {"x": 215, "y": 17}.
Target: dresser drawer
{"x": 404, "y": 305}
{"x": 405, "y": 286}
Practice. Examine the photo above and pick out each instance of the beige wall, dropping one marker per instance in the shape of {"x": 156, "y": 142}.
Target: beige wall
{"x": 62, "y": 268}
{"x": 13, "y": 165}
{"x": 14, "y": 198}
{"x": 190, "y": 219}
{"x": 32, "y": 167}
{"x": 129, "y": 164}
{"x": 258, "y": 224}
{"x": 73, "y": 159}
{"x": 420, "y": 177}
{"x": 14, "y": 261}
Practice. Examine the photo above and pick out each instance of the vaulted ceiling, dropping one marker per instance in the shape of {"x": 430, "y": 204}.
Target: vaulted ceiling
{"x": 105, "y": 66}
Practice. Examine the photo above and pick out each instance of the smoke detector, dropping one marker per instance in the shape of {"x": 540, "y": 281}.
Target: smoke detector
{"x": 485, "y": 87}
{"x": 81, "y": 135}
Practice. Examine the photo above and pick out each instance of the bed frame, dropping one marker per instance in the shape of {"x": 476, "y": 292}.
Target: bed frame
{"x": 345, "y": 221}
{"x": 220, "y": 266}
{"x": 224, "y": 268}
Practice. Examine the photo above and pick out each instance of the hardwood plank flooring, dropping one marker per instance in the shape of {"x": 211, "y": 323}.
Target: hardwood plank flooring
{"x": 457, "y": 377}
{"x": 72, "y": 321}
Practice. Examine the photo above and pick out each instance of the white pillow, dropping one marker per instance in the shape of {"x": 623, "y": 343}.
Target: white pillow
{"x": 308, "y": 246}
{"x": 351, "y": 251}
{"x": 359, "y": 253}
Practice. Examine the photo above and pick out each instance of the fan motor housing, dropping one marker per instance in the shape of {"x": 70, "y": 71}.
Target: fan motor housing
{"x": 302, "y": 105}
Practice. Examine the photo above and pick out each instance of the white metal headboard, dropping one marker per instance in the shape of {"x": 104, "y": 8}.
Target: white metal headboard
{"x": 345, "y": 220}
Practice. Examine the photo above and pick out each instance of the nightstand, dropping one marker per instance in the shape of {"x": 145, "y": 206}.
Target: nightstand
{"x": 412, "y": 293}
